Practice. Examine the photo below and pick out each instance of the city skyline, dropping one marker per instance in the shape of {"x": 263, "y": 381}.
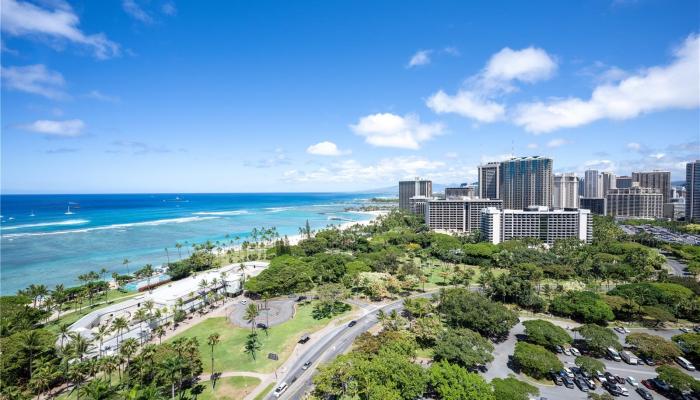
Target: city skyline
{"x": 165, "y": 96}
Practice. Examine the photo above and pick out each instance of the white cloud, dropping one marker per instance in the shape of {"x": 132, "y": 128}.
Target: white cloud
{"x": 422, "y": 57}
{"x": 388, "y": 169}
{"x": 25, "y": 19}
{"x": 67, "y": 128}
{"x": 325, "y": 148}
{"x": 35, "y": 79}
{"x": 97, "y": 95}
{"x": 634, "y": 146}
{"x": 554, "y": 143}
{"x": 467, "y": 104}
{"x": 526, "y": 65}
{"x": 451, "y": 154}
{"x": 169, "y": 9}
{"x": 476, "y": 100}
{"x": 654, "y": 89}
{"x": 390, "y": 130}
{"x": 532, "y": 145}
{"x": 136, "y": 12}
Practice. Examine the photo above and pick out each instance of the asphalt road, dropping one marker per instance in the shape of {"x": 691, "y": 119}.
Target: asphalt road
{"x": 332, "y": 345}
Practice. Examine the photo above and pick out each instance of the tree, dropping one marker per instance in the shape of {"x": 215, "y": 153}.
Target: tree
{"x": 584, "y": 306}
{"x": 535, "y": 360}
{"x": 546, "y": 333}
{"x": 170, "y": 369}
{"x": 252, "y": 344}
{"x": 98, "y": 389}
{"x": 513, "y": 389}
{"x": 598, "y": 338}
{"x": 251, "y": 314}
{"x": 690, "y": 344}
{"x": 464, "y": 347}
{"x": 212, "y": 341}
{"x": 462, "y": 308}
{"x": 678, "y": 379}
{"x": 452, "y": 382}
{"x": 653, "y": 346}
{"x": 589, "y": 364}
{"x": 120, "y": 324}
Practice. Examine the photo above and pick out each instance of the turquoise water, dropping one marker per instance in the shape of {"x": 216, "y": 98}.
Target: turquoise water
{"x": 136, "y": 285}
{"x": 43, "y": 242}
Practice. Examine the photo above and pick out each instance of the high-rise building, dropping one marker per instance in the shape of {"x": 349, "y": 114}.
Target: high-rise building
{"x": 692, "y": 191}
{"x": 675, "y": 210}
{"x": 457, "y": 215}
{"x": 597, "y": 205}
{"x": 457, "y": 192}
{"x": 656, "y": 180}
{"x": 565, "y": 191}
{"x": 408, "y": 189}
{"x": 490, "y": 180}
{"x": 623, "y": 182}
{"x": 525, "y": 182}
{"x": 635, "y": 202}
{"x": 536, "y": 222}
{"x": 593, "y": 184}
{"x": 608, "y": 182}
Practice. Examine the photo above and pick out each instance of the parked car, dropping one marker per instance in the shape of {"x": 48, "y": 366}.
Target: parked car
{"x": 556, "y": 378}
{"x": 352, "y": 323}
{"x": 575, "y": 352}
{"x": 567, "y": 351}
{"x": 559, "y": 349}
{"x": 683, "y": 362}
{"x": 261, "y": 325}
{"x": 610, "y": 377}
{"x": 619, "y": 329}
{"x": 244, "y": 301}
{"x": 632, "y": 381}
{"x": 697, "y": 328}
{"x": 659, "y": 385}
{"x": 613, "y": 388}
{"x": 590, "y": 383}
{"x": 685, "y": 330}
{"x": 306, "y": 365}
{"x": 568, "y": 372}
{"x": 600, "y": 376}
{"x": 280, "y": 389}
{"x": 613, "y": 354}
{"x": 629, "y": 357}
{"x": 567, "y": 382}
{"x": 582, "y": 386}
{"x": 643, "y": 393}
{"x": 624, "y": 390}
{"x": 304, "y": 339}
{"x": 648, "y": 361}
{"x": 620, "y": 379}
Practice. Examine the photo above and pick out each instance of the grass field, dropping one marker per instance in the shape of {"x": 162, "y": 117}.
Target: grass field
{"x": 265, "y": 391}
{"x": 229, "y": 354}
{"x": 234, "y": 387}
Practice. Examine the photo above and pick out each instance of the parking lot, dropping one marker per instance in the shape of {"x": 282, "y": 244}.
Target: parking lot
{"x": 663, "y": 234}
{"x": 500, "y": 367}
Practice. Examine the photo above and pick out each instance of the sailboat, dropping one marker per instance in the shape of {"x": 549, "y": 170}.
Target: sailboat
{"x": 32, "y": 214}
{"x": 69, "y": 212}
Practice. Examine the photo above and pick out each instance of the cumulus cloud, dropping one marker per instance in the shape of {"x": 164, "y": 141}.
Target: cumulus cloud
{"x": 391, "y": 130}
{"x": 653, "y": 89}
{"x": 53, "y": 128}
{"x": 634, "y": 146}
{"x": 21, "y": 18}
{"x": 554, "y": 143}
{"x": 421, "y": 57}
{"x": 477, "y": 99}
{"x": 387, "y": 169}
{"x": 169, "y": 8}
{"x": 35, "y": 79}
{"x": 532, "y": 145}
{"x": 325, "y": 148}
{"x": 136, "y": 12}
{"x": 97, "y": 95}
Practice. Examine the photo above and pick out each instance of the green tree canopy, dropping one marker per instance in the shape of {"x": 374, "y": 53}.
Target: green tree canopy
{"x": 513, "y": 389}
{"x": 452, "y": 382}
{"x": 590, "y": 364}
{"x": 582, "y": 306}
{"x": 462, "y": 308}
{"x": 690, "y": 343}
{"x": 464, "y": 347}
{"x": 546, "y": 333}
{"x": 678, "y": 379}
{"x": 285, "y": 275}
{"x": 598, "y": 338}
{"x": 535, "y": 360}
{"x": 653, "y": 346}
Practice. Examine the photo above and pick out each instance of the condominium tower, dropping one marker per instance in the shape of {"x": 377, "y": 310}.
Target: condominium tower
{"x": 489, "y": 180}
{"x": 536, "y": 222}
{"x": 656, "y": 180}
{"x": 416, "y": 187}
{"x": 692, "y": 190}
{"x": 592, "y": 184}
{"x": 457, "y": 215}
{"x": 525, "y": 182}
{"x": 565, "y": 191}
{"x": 635, "y": 202}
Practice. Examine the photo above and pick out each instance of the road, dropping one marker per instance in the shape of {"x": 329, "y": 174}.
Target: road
{"x": 332, "y": 345}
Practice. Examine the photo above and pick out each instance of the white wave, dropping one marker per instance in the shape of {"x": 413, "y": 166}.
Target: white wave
{"x": 222, "y": 213}
{"x": 42, "y": 224}
{"x": 114, "y": 226}
{"x": 278, "y": 209}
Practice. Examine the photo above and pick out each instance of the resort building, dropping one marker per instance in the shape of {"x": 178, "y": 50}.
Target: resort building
{"x": 408, "y": 189}
{"x": 592, "y": 184}
{"x": 660, "y": 180}
{"x": 417, "y": 205}
{"x": 459, "y": 192}
{"x": 489, "y": 180}
{"x": 675, "y": 210}
{"x": 635, "y": 202}
{"x": 457, "y": 215}
{"x": 536, "y": 222}
{"x": 525, "y": 182}
{"x": 692, "y": 191}
{"x": 597, "y": 205}
{"x": 565, "y": 191}
{"x": 623, "y": 182}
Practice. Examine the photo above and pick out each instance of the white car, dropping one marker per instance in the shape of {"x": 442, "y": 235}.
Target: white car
{"x": 619, "y": 329}
{"x": 685, "y": 330}
{"x": 632, "y": 381}
{"x": 567, "y": 351}
{"x": 280, "y": 389}
{"x": 568, "y": 372}
{"x": 624, "y": 390}
{"x": 244, "y": 302}
{"x": 575, "y": 352}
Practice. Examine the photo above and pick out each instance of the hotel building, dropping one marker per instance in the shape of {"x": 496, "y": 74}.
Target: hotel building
{"x": 692, "y": 191}
{"x": 489, "y": 180}
{"x": 525, "y": 182}
{"x": 565, "y": 191}
{"x": 535, "y": 222}
{"x": 408, "y": 189}
{"x": 635, "y": 202}
{"x": 457, "y": 215}
{"x": 660, "y": 180}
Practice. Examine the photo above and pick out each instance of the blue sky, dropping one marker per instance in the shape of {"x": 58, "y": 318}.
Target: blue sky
{"x": 185, "y": 96}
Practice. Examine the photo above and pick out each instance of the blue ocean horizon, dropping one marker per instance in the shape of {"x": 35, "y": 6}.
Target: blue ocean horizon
{"x": 52, "y": 238}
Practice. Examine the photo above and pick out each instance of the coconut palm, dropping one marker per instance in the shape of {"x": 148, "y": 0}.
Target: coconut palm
{"x": 79, "y": 346}
{"x": 169, "y": 370}
{"x": 108, "y": 365}
{"x": 98, "y": 389}
{"x": 126, "y": 263}
{"x": 120, "y": 324}
{"x": 31, "y": 343}
{"x": 45, "y": 373}
{"x": 63, "y": 332}
{"x": 212, "y": 341}
{"x": 127, "y": 351}
{"x": 251, "y": 314}
{"x": 160, "y": 332}
{"x": 102, "y": 333}
{"x": 252, "y": 344}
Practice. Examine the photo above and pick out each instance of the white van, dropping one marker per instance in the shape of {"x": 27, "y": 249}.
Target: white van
{"x": 280, "y": 389}
{"x": 685, "y": 363}
{"x": 612, "y": 353}
{"x": 629, "y": 357}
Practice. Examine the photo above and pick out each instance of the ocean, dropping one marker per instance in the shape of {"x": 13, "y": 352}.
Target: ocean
{"x": 51, "y": 239}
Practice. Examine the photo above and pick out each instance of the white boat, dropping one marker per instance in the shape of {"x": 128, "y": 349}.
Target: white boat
{"x": 32, "y": 214}
{"x": 69, "y": 212}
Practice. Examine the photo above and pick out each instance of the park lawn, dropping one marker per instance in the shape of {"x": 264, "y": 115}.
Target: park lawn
{"x": 265, "y": 391}
{"x": 437, "y": 281}
{"x": 229, "y": 354}
{"x": 234, "y": 387}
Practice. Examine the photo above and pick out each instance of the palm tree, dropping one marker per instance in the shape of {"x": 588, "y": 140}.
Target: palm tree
{"x": 108, "y": 365}
{"x": 160, "y": 332}
{"x": 102, "y": 333}
{"x": 212, "y": 341}
{"x": 252, "y": 344}
{"x": 169, "y": 369}
{"x": 31, "y": 342}
{"x": 178, "y": 246}
{"x": 127, "y": 350}
{"x": 120, "y": 324}
{"x": 98, "y": 389}
{"x": 44, "y": 374}
{"x": 63, "y": 332}
{"x": 126, "y": 263}
{"x": 251, "y": 313}
{"x": 79, "y": 345}
{"x": 103, "y": 272}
